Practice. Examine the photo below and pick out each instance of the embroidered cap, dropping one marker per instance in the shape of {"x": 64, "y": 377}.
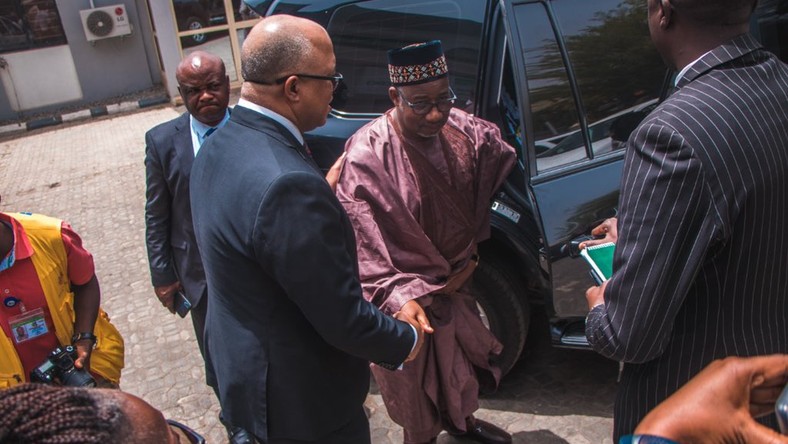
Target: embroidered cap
{"x": 417, "y": 63}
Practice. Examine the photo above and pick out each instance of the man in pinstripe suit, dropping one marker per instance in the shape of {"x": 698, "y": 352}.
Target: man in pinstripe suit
{"x": 701, "y": 262}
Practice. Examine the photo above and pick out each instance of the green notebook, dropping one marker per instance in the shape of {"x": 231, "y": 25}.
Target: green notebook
{"x": 600, "y": 257}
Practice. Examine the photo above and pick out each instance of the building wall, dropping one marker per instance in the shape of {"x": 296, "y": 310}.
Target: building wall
{"x": 167, "y": 36}
{"x": 149, "y": 42}
{"x": 105, "y": 68}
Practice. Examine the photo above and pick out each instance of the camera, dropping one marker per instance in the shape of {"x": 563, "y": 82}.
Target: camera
{"x": 58, "y": 367}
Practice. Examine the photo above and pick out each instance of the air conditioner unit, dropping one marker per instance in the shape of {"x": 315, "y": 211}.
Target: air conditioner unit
{"x": 105, "y": 22}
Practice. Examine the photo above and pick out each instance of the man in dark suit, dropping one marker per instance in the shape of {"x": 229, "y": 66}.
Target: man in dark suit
{"x": 288, "y": 333}
{"x": 173, "y": 256}
{"x": 700, "y": 262}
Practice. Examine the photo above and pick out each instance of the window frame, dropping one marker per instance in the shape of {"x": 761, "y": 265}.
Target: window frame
{"x": 468, "y": 94}
{"x": 21, "y": 11}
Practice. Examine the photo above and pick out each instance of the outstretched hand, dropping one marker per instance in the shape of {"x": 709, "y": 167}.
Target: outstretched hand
{"x": 332, "y": 176}
{"x": 720, "y": 403}
{"x": 414, "y": 314}
{"x": 413, "y": 310}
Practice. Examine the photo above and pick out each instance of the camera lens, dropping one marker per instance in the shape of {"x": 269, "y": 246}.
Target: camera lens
{"x": 78, "y": 378}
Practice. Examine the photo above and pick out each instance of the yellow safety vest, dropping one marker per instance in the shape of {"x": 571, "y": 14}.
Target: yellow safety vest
{"x": 51, "y": 265}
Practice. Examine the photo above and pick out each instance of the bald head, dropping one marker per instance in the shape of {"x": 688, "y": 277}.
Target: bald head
{"x": 289, "y": 67}
{"x": 280, "y": 45}
{"x": 199, "y": 62}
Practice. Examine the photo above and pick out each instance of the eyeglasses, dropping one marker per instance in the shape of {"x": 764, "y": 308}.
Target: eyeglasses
{"x": 423, "y": 108}
{"x": 335, "y": 79}
{"x": 182, "y": 430}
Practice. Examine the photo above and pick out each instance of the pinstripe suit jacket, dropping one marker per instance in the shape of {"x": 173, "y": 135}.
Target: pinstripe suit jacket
{"x": 701, "y": 263}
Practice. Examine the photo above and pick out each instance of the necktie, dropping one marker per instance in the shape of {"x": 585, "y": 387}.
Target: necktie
{"x": 308, "y": 151}
{"x": 208, "y": 133}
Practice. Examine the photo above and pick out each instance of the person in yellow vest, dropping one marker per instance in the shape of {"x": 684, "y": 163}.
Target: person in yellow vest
{"x": 50, "y": 298}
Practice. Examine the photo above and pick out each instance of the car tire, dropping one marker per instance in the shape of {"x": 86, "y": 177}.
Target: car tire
{"x": 498, "y": 295}
{"x": 191, "y": 24}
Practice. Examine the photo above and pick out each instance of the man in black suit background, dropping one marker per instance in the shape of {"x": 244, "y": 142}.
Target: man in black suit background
{"x": 173, "y": 256}
{"x": 700, "y": 261}
{"x": 288, "y": 333}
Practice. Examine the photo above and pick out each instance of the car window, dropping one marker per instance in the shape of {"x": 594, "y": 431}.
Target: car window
{"x": 509, "y": 109}
{"x": 553, "y": 110}
{"x": 363, "y": 32}
{"x": 618, "y": 78}
{"x": 769, "y": 24}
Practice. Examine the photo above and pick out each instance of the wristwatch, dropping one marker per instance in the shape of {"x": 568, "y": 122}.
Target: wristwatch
{"x": 82, "y": 336}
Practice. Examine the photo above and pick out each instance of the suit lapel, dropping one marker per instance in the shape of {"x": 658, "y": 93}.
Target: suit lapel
{"x": 182, "y": 142}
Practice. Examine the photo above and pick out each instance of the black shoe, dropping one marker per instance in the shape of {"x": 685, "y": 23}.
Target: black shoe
{"x": 237, "y": 435}
{"x": 484, "y": 432}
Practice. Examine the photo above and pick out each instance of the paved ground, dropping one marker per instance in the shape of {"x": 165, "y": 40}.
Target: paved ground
{"x": 92, "y": 175}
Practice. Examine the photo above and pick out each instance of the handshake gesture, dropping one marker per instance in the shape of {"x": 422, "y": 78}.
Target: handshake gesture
{"x": 413, "y": 314}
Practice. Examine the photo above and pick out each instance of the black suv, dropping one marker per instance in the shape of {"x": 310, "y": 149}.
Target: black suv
{"x": 565, "y": 80}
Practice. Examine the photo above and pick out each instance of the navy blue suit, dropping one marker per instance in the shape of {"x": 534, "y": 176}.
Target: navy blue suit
{"x": 172, "y": 250}
{"x": 288, "y": 333}
{"x": 169, "y": 232}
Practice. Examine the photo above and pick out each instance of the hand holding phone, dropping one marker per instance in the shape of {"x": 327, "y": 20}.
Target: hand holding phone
{"x": 182, "y": 305}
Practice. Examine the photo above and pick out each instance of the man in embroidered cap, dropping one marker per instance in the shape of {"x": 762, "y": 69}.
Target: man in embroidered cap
{"x": 417, "y": 184}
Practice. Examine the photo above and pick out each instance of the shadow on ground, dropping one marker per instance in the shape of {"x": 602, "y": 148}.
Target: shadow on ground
{"x": 535, "y": 436}
{"x": 555, "y": 382}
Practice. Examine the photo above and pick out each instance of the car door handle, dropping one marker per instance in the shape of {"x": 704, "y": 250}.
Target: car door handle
{"x": 572, "y": 248}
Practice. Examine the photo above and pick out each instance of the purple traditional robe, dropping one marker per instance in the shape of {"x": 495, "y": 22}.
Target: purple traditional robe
{"x": 419, "y": 208}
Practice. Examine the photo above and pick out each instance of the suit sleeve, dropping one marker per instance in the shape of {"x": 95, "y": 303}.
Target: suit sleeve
{"x": 304, "y": 239}
{"x": 157, "y": 217}
{"x": 666, "y": 225}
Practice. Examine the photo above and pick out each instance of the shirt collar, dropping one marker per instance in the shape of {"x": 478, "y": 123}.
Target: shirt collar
{"x": 22, "y": 247}
{"x": 687, "y": 68}
{"x": 274, "y": 116}
{"x": 200, "y": 128}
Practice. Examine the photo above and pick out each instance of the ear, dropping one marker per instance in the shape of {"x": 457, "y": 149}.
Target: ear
{"x": 665, "y": 14}
{"x": 291, "y": 89}
{"x": 394, "y": 95}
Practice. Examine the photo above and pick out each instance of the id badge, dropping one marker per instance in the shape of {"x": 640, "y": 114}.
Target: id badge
{"x": 28, "y": 325}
